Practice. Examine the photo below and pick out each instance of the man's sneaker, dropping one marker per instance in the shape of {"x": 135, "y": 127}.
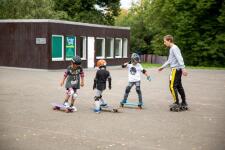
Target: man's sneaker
{"x": 66, "y": 104}
{"x": 74, "y": 108}
{"x": 184, "y": 104}
{"x": 175, "y": 107}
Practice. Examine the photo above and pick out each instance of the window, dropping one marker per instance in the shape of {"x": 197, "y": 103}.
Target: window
{"x": 118, "y": 47}
{"x": 83, "y": 47}
{"x": 100, "y": 47}
{"x": 125, "y": 47}
{"x": 57, "y": 47}
{"x": 70, "y": 47}
{"x": 109, "y": 45}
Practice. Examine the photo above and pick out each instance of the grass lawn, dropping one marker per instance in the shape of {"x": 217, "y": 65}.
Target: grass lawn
{"x": 148, "y": 65}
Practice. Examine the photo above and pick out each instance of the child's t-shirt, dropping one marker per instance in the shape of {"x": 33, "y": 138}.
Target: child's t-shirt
{"x": 134, "y": 72}
{"x": 101, "y": 77}
{"x": 73, "y": 77}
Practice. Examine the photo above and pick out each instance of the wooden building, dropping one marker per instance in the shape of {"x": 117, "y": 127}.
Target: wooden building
{"x": 50, "y": 44}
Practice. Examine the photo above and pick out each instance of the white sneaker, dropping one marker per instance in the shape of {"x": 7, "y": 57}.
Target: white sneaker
{"x": 74, "y": 108}
{"x": 66, "y": 104}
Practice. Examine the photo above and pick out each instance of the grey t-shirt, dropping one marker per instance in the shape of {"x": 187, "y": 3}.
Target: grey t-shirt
{"x": 175, "y": 59}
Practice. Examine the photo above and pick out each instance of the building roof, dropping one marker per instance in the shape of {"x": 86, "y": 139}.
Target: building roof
{"x": 61, "y": 22}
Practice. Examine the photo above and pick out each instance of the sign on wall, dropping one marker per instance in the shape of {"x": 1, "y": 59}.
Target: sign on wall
{"x": 70, "y": 47}
{"x": 40, "y": 40}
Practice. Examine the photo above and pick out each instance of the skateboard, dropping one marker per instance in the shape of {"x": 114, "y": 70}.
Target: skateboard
{"x": 132, "y": 104}
{"x": 61, "y": 107}
{"x": 109, "y": 109}
{"x": 177, "y": 108}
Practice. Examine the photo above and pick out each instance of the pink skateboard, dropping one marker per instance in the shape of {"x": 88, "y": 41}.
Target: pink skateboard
{"x": 61, "y": 107}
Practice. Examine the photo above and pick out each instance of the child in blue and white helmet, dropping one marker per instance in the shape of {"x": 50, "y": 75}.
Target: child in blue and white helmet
{"x": 134, "y": 78}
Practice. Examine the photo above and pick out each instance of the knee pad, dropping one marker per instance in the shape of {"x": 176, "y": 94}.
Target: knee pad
{"x": 70, "y": 91}
{"x": 97, "y": 98}
{"x": 128, "y": 89}
{"x": 138, "y": 89}
{"x": 74, "y": 95}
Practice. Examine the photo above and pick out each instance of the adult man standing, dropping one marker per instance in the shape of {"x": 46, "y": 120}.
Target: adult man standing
{"x": 175, "y": 60}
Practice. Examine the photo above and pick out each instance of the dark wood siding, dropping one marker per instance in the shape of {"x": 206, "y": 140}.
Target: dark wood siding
{"x": 18, "y": 46}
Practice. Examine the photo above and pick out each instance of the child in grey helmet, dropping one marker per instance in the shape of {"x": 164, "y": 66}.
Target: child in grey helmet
{"x": 134, "y": 78}
{"x": 75, "y": 78}
{"x": 102, "y": 75}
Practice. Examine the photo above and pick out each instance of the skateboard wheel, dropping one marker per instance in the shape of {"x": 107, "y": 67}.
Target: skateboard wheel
{"x": 115, "y": 110}
{"x": 140, "y": 107}
{"x": 55, "y": 108}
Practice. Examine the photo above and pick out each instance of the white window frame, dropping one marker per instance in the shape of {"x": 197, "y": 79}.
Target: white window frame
{"x": 120, "y": 48}
{"x": 125, "y": 47}
{"x": 84, "y": 43}
{"x": 103, "y": 48}
{"x": 111, "y": 48}
{"x": 60, "y": 58}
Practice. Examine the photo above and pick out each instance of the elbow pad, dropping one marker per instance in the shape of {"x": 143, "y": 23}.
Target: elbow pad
{"x": 123, "y": 66}
{"x": 144, "y": 71}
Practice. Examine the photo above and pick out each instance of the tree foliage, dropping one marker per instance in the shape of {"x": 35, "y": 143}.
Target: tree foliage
{"x": 95, "y": 11}
{"x": 90, "y": 11}
{"x": 28, "y": 9}
{"x": 197, "y": 26}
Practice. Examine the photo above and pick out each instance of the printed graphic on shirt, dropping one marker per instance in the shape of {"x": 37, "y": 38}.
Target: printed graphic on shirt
{"x": 133, "y": 70}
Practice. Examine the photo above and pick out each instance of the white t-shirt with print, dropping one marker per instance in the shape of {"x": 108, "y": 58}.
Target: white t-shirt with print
{"x": 134, "y": 72}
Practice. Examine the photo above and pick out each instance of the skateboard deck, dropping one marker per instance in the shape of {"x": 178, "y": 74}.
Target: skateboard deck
{"x": 131, "y": 104}
{"x": 61, "y": 107}
{"x": 109, "y": 109}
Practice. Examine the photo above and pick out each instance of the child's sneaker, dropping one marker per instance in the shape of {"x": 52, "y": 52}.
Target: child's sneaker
{"x": 97, "y": 111}
{"x": 74, "y": 108}
{"x": 103, "y": 103}
{"x": 139, "y": 106}
{"x": 66, "y": 104}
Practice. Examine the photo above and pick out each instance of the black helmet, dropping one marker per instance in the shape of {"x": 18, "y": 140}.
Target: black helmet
{"x": 76, "y": 60}
{"x": 135, "y": 58}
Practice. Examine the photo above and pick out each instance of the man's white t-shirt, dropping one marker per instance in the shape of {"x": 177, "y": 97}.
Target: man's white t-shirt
{"x": 134, "y": 72}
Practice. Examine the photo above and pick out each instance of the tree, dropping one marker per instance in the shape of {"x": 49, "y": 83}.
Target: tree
{"x": 140, "y": 36}
{"x": 35, "y": 9}
{"x": 98, "y": 11}
{"x": 197, "y": 26}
